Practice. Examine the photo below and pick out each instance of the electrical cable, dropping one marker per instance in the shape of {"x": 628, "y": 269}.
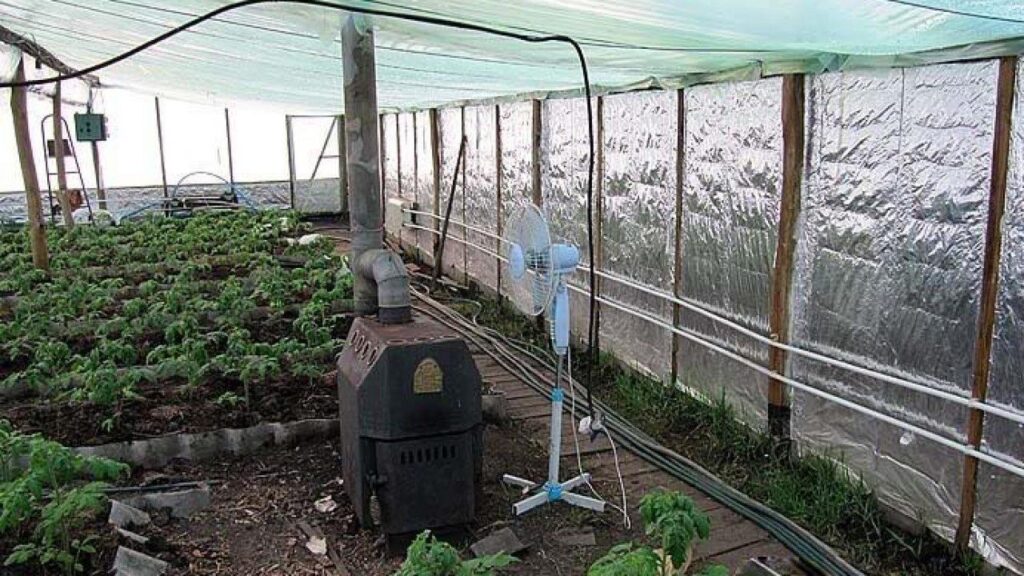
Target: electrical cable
{"x": 624, "y": 509}
{"x": 804, "y": 544}
{"x": 433, "y": 20}
{"x": 212, "y": 14}
{"x": 955, "y": 12}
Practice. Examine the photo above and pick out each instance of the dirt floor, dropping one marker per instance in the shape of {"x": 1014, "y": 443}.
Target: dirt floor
{"x": 263, "y": 506}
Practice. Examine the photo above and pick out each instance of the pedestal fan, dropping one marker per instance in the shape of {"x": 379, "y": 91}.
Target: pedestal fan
{"x": 537, "y": 269}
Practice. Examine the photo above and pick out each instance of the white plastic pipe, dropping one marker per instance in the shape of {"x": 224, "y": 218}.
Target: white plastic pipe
{"x": 962, "y": 400}
{"x": 981, "y": 455}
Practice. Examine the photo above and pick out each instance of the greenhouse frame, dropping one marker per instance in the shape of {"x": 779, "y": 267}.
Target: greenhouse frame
{"x": 812, "y": 211}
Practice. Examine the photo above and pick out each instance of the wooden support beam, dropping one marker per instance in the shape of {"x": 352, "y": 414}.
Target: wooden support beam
{"x": 499, "y": 191}
{"x": 231, "y": 158}
{"x": 415, "y": 181}
{"x": 435, "y": 161}
{"x": 97, "y": 167}
{"x": 290, "y": 138}
{"x": 58, "y": 152}
{"x": 792, "y": 171}
{"x": 398, "y": 152}
{"x": 45, "y": 57}
{"x": 535, "y": 189}
{"x": 462, "y": 203}
{"x": 677, "y": 257}
{"x": 989, "y": 291}
{"x": 598, "y": 216}
{"x": 383, "y": 161}
{"x": 33, "y": 204}
{"x": 160, "y": 143}
{"x": 535, "y": 179}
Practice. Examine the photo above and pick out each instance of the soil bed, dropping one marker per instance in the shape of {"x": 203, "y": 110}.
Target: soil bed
{"x": 168, "y": 408}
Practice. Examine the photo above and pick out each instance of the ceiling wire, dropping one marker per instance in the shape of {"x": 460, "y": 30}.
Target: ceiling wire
{"x": 955, "y": 11}
{"x": 444, "y": 22}
{"x": 583, "y": 40}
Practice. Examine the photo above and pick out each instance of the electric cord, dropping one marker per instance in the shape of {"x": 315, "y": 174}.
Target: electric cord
{"x": 624, "y": 509}
{"x": 805, "y": 545}
{"x": 956, "y": 12}
{"x": 424, "y": 19}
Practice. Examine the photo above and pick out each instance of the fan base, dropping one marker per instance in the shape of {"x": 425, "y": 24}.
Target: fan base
{"x": 552, "y": 493}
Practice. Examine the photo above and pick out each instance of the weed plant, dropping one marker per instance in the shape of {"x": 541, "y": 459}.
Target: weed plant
{"x": 48, "y": 493}
{"x": 428, "y": 556}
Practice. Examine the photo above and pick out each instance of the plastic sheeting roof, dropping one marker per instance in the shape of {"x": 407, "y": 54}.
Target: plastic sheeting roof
{"x": 289, "y": 55}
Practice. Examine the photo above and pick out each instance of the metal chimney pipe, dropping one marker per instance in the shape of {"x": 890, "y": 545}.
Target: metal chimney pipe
{"x": 380, "y": 283}
{"x": 362, "y": 153}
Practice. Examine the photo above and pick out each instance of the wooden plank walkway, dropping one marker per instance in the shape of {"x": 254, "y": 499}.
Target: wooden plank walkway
{"x": 734, "y": 539}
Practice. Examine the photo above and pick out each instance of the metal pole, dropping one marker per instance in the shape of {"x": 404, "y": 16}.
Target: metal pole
{"x": 363, "y": 152}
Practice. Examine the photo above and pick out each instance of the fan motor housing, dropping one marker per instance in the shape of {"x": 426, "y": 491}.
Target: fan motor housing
{"x": 411, "y": 424}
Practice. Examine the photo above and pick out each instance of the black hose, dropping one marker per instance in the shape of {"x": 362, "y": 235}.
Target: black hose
{"x": 805, "y": 545}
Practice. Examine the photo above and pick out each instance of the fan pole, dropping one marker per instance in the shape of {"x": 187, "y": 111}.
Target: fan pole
{"x": 554, "y": 490}
{"x": 555, "y": 443}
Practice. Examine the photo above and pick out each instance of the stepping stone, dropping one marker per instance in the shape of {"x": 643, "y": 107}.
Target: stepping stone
{"x": 128, "y": 562}
{"x": 504, "y": 540}
{"x": 181, "y": 503}
{"x": 126, "y": 516}
{"x": 137, "y": 538}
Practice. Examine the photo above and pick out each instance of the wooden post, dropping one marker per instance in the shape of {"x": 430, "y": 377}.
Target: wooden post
{"x": 231, "y": 160}
{"x": 535, "y": 181}
{"x": 677, "y": 257}
{"x": 792, "y": 168}
{"x": 538, "y": 196}
{"x": 289, "y": 137}
{"x": 598, "y": 218}
{"x": 342, "y": 168}
{"x": 989, "y": 291}
{"x": 58, "y": 152}
{"x": 160, "y": 143}
{"x": 462, "y": 202}
{"x": 498, "y": 190}
{"x": 435, "y": 160}
{"x": 415, "y": 182}
{"x": 383, "y": 161}
{"x": 398, "y": 153}
{"x": 33, "y": 205}
{"x": 97, "y": 166}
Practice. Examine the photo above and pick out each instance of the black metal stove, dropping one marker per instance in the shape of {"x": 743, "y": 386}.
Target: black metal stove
{"x": 410, "y": 424}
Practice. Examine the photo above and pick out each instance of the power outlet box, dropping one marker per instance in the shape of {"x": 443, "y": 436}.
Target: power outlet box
{"x": 90, "y": 127}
